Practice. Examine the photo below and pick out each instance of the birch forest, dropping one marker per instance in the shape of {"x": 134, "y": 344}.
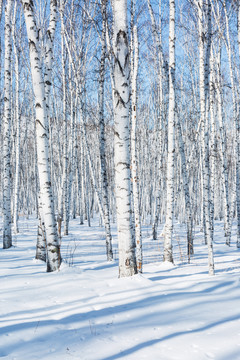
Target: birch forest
{"x": 124, "y": 111}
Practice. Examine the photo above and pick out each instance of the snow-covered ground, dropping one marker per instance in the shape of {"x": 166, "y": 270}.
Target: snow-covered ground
{"x": 85, "y": 312}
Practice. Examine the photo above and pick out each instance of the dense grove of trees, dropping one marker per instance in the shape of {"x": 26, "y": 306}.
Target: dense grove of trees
{"x": 125, "y": 109}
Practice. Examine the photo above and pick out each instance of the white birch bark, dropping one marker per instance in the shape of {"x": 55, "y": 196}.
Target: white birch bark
{"x": 48, "y": 59}
{"x": 203, "y": 86}
{"x": 17, "y": 125}
{"x": 104, "y": 180}
{"x": 202, "y": 110}
{"x": 53, "y": 248}
{"x": 236, "y": 123}
{"x": 65, "y": 137}
{"x": 49, "y": 51}
{"x": 223, "y": 153}
{"x": 224, "y": 173}
{"x": 126, "y": 244}
{"x": 41, "y": 253}
{"x": 134, "y": 159}
{"x": 168, "y": 229}
{"x": 48, "y": 62}
{"x": 1, "y": 11}
{"x": 236, "y": 190}
{"x": 72, "y": 182}
{"x": 157, "y": 33}
{"x": 74, "y": 172}
{"x": 81, "y": 182}
{"x": 238, "y": 149}
{"x": 7, "y": 233}
{"x": 212, "y": 154}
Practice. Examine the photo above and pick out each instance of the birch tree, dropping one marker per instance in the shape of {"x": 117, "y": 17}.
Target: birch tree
{"x": 238, "y": 145}
{"x": 134, "y": 159}
{"x": 48, "y": 51}
{"x": 17, "y": 124}
{"x": 104, "y": 179}
{"x": 223, "y": 153}
{"x": 53, "y": 248}
{"x": 7, "y": 233}
{"x": 157, "y": 34}
{"x": 204, "y": 55}
{"x": 1, "y": 11}
{"x": 126, "y": 243}
{"x": 219, "y": 89}
{"x": 236, "y": 123}
{"x": 64, "y": 114}
{"x": 168, "y": 229}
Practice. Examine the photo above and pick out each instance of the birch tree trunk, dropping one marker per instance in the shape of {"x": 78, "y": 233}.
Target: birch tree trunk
{"x": 41, "y": 253}
{"x": 157, "y": 33}
{"x": 65, "y": 144}
{"x": 204, "y": 86}
{"x": 212, "y": 154}
{"x": 7, "y": 233}
{"x": 236, "y": 123}
{"x": 81, "y": 181}
{"x": 104, "y": 180}
{"x": 168, "y": 229}
{"x": 134, "y": 159}
{"x": 49, "y": 51}
{"x": 72, "y": 171}
{"x": 186, "y": 191}
{"x": 1, "y": 11}
{"x": 41, "y": 235}
{"x": 238, "y": 148}
{"x": 53, "y": 248}
{"x": 224, "y": 173}
{"x": 126, "y": 243}
{"x": 223, "y": 153}
{"x": 17, "y": 124}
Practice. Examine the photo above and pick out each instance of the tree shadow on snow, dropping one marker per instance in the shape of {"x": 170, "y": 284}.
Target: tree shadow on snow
{"x": 149, "y": 343}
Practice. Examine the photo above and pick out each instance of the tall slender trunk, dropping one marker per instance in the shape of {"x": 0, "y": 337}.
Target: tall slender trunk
{"x": 73, "y": 177}
{"x": 168, "y": 230}
{"x": 212, "y": 152}
{"x": 238, "y": 149}
{"x": 50, "y": 34}
{"x": 126, "y": 243}
{"x": 157, "y": 33}
{"x": 1, "y": 11}
{"x": 41, "y": 253}
{"x": 223, "y": 155}
{"x": 65, "y": 143}
{"x": 53, "y": 248}
{"x": 81, "y": 181}
{"x": 104, "y": 179}
{"x": 17, "y": 124}
{"x": 202, "y": 112}
{"x": 237, "y": 129}
{"x": 204, "y": 87}
{"x": 7, "y": 233}
{"x": 134, "y": 159}
{"x": 224, "y": 173}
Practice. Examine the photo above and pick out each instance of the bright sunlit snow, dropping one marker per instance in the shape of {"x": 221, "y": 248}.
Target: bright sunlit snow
{"x": 85, "y": 312}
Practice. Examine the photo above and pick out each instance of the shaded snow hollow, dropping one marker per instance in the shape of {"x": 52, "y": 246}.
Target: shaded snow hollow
{"x": 85, "y": 312}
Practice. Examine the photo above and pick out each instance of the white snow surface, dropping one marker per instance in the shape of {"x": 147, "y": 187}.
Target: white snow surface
{"x": 86, "y": 312}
